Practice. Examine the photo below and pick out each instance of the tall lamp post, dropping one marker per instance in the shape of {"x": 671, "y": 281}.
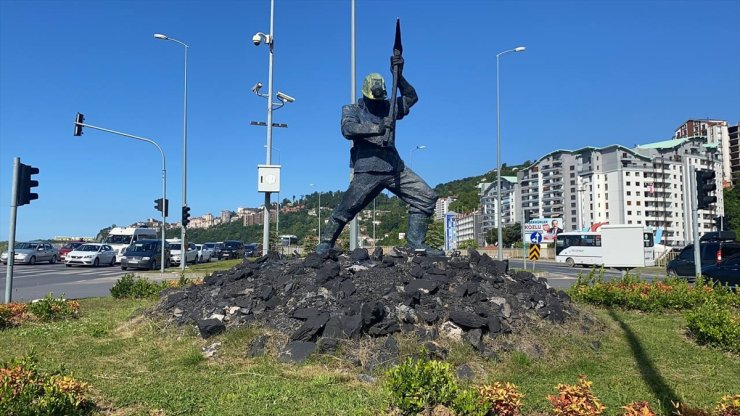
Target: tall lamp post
{"x": 184, "y": 144}
{"x": 498, "y": 153}
{"x": 318, "y": 211}
{"x": 269, "y": 40}
{"x": 411, "y": 154}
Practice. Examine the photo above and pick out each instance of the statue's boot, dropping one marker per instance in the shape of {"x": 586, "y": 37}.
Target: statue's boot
{"x": 417, "y": 233}
{"x": 329, "y": 236}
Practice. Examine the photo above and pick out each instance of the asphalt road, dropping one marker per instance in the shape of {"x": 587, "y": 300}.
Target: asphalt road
{"x": 36, "y": 281}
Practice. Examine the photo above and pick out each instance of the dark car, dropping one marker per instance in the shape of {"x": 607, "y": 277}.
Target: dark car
{"x": 252, "y": 250}
{"x": 216, "y": 247}
{"x": 726, "y": 272}
{"x": 711, "y": 253}
{"x": 144, "y": 254}
{"x": 232, "y": 249}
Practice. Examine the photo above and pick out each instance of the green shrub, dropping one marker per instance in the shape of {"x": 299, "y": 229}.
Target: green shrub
{"x": 466, "y": 244}
{"x": 13, "y": 314}
{"x": 49, "y": 308}
{"x": 417, "y": 384}
{"x": 469, "y": 403}
{"x": 716, "y": 324}
{"x": 129, "y": 287}
{"x": 24, "y": 391}
{"x": 630, "y": 292}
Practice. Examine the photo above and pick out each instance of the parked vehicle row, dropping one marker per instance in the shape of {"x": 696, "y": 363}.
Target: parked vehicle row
{"x": 135, "y": 248}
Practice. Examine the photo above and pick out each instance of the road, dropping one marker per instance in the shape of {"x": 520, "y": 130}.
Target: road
{"x": 36, "y": 281}
{"x": 562, "y": 277}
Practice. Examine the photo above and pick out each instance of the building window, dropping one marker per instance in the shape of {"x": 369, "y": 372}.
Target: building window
{"x": 638, "y": 203}
{"x": 637, "y": 193}
{"x": 629, "y": 212}
{"x": 629, "y": 222}
{"x": 629, "y": 193}
{"x": 629, "y": 202}
{"x": 626, "y": 174}
{"x": 629, "y": 183}
{"x": 572, "y": 167}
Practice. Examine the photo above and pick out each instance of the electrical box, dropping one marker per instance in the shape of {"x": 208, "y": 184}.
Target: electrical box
{"x": 268, "y": 178}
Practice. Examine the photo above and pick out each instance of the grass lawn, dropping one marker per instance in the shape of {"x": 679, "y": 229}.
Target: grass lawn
{"x": 138, "y": 366}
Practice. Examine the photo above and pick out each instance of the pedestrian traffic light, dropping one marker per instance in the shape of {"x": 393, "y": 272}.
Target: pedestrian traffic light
{"x": 78, "y": 124}
{"x": 185, "y": 216}
{"x": 25, "y": 185}
{"x": 705, "y": 184}
{"x": 159, "y": 206}
{"x": 721, "y": 223}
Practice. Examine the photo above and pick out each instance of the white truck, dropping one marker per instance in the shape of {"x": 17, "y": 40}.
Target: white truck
{"x": 121, "y": 237}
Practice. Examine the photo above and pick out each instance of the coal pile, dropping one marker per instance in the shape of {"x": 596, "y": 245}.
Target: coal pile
{"x": 320, "y": 302}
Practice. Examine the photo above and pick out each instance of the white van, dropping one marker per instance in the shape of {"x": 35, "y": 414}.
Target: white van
{"x": 121, "y": 237}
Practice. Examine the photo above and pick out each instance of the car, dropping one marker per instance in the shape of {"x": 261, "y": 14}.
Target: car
{"x": 232, "y": 249}
{"x": 91, "y": 254}
{"x": 175, "y": 247}
{"x": 215, "y": 247}
{"x": 204, "y": 253}
{"x": 726, "y": 272}
{"x": 252, "y": 249}
{"x": 32, "y": 253}
{"x": 68, "y": 247}
{"x": 144, "y": 254}
{"x": 711, "y": 252}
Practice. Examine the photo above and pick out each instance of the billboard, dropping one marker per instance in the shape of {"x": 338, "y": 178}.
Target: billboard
{"x": 450, "y": 231}
{"x": 548, "y": 227}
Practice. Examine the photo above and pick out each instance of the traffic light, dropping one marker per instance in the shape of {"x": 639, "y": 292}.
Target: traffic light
{"x": 158, "y": 206}
{"x": 78, "y": 124}
{"x": 705, "y": 184}
{"x": 25, "y": 185}
{"x": 185, "y": 216}
{"x": 721, "y": 223}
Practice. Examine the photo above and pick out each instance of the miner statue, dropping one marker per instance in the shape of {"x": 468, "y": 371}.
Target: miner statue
{"x": 370, "y": 124}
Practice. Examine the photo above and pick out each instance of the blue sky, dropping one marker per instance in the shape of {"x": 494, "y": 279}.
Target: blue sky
{"x": 594, "y": 73}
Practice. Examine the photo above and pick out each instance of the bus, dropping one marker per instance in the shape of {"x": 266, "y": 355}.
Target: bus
{"x": 620, "y": 246}
{"x": 288, "y": 240}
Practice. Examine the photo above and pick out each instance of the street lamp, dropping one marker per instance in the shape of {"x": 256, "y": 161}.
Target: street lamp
{"x": 319, "y": 212}
{"x": 184, "y": 142}
{"x": 269, "y": 40}
{"x": 411, "y": 153}
{"x": 498, "y": 153}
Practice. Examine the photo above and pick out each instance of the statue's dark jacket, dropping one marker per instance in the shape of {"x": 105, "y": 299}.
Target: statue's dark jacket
{"x": 373, "y": 152}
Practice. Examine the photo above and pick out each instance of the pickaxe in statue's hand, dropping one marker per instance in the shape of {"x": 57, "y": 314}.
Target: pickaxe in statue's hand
{"x": 397, "y": 51}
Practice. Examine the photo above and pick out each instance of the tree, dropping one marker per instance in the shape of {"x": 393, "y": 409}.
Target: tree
{"x": 732, "y": 207}
{"x": 466, "y": 244}
{"x": 309, "y": 244}
{"x": 436, "y": 235}
{"x": 104, "y": 233}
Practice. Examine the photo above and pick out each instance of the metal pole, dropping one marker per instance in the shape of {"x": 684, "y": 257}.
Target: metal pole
{"x": 498, "y": 164}
{"x": 319, "y": 212}
{"x": 266, "y": 209}
{"x": 353, "y": 229}
{"x": 185, "y": 161}
{"x": 164, "y": 218}
{"x": 11, "y": 232}
{"x": 164, "y": 178}
{"x": 695, "y": 223}
{"x": 373, "y": 223}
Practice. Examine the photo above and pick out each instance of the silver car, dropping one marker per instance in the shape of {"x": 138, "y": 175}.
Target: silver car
{"x": 32, "y": 253}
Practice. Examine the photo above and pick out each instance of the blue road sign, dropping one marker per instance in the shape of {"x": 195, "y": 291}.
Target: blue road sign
{"x": 535, "y": 238}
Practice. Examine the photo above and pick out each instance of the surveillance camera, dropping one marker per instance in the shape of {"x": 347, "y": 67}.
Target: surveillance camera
{"x": 285, "y": 97}
{"x": 257, "y": 39}
{"x": 256, "y": 88}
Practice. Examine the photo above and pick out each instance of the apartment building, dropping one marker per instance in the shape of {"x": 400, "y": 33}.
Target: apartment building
{"x": 442, "y": 207}
{"x": 717, "y": 133}
{"x": 469, "y": 227}
{"x": 489, "y": 203}
{"x": 647, "y": 185}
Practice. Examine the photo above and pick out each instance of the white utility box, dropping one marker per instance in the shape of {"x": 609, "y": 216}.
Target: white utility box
{"x": 268, "y": 178}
